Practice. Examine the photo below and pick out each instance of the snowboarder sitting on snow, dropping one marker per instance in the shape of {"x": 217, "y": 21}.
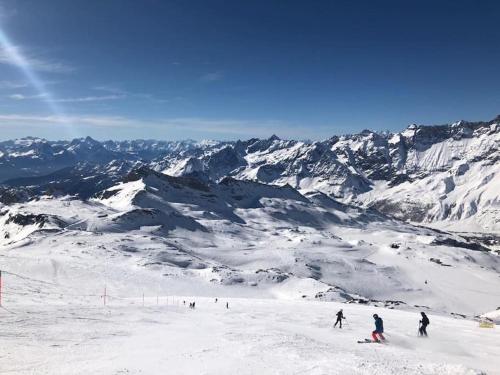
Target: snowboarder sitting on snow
{"x": 340, "y": 316}
{"x": 423, "y": 324}
{"x": 379, "y": 329}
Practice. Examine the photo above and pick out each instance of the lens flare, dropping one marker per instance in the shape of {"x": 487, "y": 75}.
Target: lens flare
{"x": 14, "y": 56}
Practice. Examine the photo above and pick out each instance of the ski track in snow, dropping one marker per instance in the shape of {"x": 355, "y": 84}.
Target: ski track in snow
{"x": 253, "y": 336}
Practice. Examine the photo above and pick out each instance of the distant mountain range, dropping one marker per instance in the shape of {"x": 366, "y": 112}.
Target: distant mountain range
{"x": 447, "y": 175}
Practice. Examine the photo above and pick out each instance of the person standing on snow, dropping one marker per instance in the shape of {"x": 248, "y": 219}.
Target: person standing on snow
{"x": 340, "y": 316}
{"x": 379, "y": 329}
{"x": 423, "y": 325}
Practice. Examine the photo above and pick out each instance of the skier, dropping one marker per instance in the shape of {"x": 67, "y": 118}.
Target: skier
{"x": 227, "y": 305}
{"x": 216, "y": 300}
{"x": 423, "y": 325}
{"x": 340, "y": 316}
{"x": 379, "y": 329}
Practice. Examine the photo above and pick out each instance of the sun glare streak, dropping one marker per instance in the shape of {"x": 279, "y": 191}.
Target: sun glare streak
{"x": 14, "y": 55}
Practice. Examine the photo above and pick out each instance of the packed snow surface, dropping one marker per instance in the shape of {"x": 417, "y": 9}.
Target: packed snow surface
{"x": 253, "y": 336}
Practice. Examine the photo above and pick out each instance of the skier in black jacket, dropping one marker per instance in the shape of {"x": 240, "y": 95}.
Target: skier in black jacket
{"x": 424, "y": 322}
{"x": 379, "y": 329}
{"x": 340, "y": 316}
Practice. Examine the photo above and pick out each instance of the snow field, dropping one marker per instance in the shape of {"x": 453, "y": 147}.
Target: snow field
{"x": 263, "y": 336}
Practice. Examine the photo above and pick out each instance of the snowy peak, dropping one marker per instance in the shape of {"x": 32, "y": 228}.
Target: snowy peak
{"x": 29, "y": 157}
{"x": 248, "y": 194}
{"x": 418, "y": 174}
{"x": 161, "y": 188}
{"x": 154, "y": 178}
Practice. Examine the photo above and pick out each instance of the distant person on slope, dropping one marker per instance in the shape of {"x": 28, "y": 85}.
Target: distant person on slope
{"x": 423, "y": 324}
{"x": 340, "y": 316}
{"x": 379, "y": 329}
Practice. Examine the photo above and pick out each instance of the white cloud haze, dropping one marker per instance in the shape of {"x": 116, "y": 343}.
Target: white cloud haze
{"x": 9, "y": 55}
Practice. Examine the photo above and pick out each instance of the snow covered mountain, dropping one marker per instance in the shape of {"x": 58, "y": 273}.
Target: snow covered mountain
{"x": 262, "y": 239}
{"x": 442, "y": 175}
{"x": 446, "y": 176}
{"x": 29, "y": 157}
{"x": 255, "y": 194}
{"x": 432, "y": 174}
{"x": 270, "y": 227}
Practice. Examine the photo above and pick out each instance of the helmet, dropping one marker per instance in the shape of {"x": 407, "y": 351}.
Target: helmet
{"x": 375, "y": 315}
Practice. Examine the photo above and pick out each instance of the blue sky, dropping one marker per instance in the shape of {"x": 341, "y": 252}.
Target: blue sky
{"x": 123, "y": 69}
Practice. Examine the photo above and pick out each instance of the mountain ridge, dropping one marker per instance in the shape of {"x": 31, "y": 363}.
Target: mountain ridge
{"x": 373, "y": 169}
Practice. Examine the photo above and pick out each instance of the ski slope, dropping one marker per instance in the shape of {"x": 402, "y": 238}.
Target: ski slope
{"x": 253, "y": 336}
